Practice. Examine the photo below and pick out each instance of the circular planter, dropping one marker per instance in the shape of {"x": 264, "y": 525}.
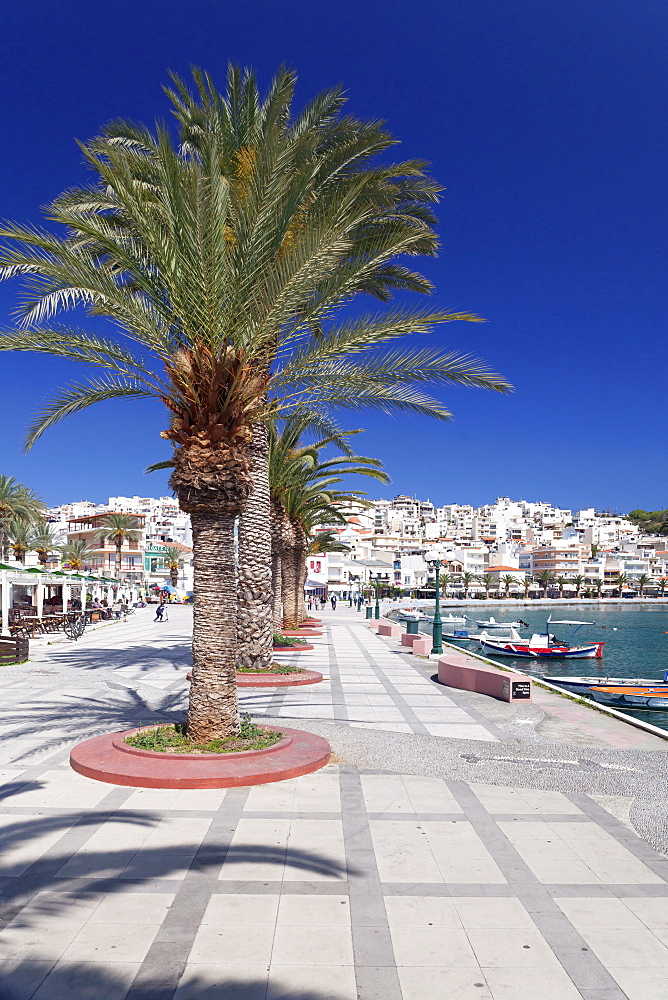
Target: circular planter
{"x": 293, "y": 649}
{"x": 298, "y": 632}
{"x": 270, "y": 679}
{"x": 108, "y": 758}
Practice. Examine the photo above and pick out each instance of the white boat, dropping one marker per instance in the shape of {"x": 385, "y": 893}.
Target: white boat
{"x": 583, "y": 685}
{"x": 412, "y": 614}
{"x": 452, "y": 619}
{"x": 541, "y": 645}
{"x": 492, "y": 623}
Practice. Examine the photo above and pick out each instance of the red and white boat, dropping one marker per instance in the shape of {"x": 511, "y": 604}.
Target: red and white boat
{"x": 541, "y": 645}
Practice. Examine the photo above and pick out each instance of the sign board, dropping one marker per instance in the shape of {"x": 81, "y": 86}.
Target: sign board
{"x": 521, "y": 690}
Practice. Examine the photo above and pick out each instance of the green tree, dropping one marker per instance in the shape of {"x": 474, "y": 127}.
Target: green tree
{"x": 445, "y": 579}
{"x": 663, "y": 583}
{"x": 527, "y": 584}
{"x": 75, "y": 554}
{"x": 561, "y": 582}
{"x": 17, "y": 503}
{"x": 578, "y": 582}
{"x": 119, "y": 529}
{"x": 20, "y": 534}
{"x": 598, "y": 587}
{"x": 621, "y": 581}
{"x": 545, "y": 579}
{"x": 508, "y": 581}
{"x": 44, "y": 540}
{"x": 224, "y": 258}
{"x": 467, "y": 579}
{"x": 174, "y": 563}
{"x": 487, "y": 580}
{"x": 642, "y": 581}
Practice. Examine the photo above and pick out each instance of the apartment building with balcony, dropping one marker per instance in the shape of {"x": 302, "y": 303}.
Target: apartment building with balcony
{"x": 101, "y": 558}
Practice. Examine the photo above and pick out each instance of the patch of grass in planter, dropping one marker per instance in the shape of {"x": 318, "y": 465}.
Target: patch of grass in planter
{"x": 288, "y": 640}
{"x": 174, "y": 739}
{"x": 274, "y": 669}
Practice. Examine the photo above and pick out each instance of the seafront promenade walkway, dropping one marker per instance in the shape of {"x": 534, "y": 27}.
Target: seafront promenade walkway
{"x": 455, "y": 847}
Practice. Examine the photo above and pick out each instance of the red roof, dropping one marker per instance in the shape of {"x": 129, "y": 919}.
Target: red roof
{"x": 506, "y": 569}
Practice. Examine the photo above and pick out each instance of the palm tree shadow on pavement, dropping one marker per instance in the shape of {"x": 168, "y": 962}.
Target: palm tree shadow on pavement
{"x": 95, "y": 981}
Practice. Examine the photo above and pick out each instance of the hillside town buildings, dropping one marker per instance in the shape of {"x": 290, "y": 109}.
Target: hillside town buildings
{"x": 509, "y": 546}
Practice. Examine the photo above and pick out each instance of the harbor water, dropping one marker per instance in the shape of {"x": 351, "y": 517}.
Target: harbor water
{"x": 636, "y": 640}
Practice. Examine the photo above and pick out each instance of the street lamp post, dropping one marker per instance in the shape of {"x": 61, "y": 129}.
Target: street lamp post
{"x": 437, "y": 626}
{"x": 377, "y": 610}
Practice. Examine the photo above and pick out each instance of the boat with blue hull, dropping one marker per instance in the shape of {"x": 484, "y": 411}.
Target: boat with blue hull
{"x": 541, "y": 645}
{"x": 629, "y": 698}
{"x": 583, "y": 685}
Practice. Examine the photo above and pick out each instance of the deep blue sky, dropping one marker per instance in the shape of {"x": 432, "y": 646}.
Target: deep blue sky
{"x": 546, "y": 122}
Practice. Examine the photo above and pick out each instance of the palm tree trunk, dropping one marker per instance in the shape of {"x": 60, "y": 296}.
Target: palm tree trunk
{"x": 254, "y": 623}
{"x": 290, "y": 588}
{"x": 118, "y": 559}
{"x": 277, "y": 589}
{"x": 213, "y": 710}
{"x": 302, "y": 577}
{"x": 174, "y": 576}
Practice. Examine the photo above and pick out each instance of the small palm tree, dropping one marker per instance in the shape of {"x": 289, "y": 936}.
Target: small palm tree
{"x": 487, "y": 580}
{"x": 545, "y": 579}
{"x": 578, "y": 582}
{"x": 561, "y": 582}
{"x": 663, "y": 583}
{"x": 508, "y": 581}
{"x": 445, "y": 581}
{"x": 598, "y": 587}
{"x": 44, "y": 541}
{"x": 467, "y": 579}
{"x": 621, "y": 581}
{"x": 20, "y": 534}
{"x": 527, "y": 584}
{"x": 174, "y": 563}
{"x": 119, "y": 529}
{"x": 642, "y": 582}
{"x": 75, "y": 554}
{"x": 17, "y": 503}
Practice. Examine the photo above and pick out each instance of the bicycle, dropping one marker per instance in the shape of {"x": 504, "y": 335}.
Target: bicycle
{"x": 75, "y": 627}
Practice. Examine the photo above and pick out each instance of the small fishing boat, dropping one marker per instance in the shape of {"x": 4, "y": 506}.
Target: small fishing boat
{"x": 412, "y": 615}
{"x": 460, "y": 636}
{"x": 492, "y": 623}
{"x": 541, "y": 645}
{"x": 583, "y": 685}
{"x": 632, "y": 697}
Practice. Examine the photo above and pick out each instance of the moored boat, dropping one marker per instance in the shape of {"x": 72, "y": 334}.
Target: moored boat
{"x": 655, "y": 697}
{"x": 541, "y": 645}
{"x": 492, "y": 623}
{"x": 582, "y": 685}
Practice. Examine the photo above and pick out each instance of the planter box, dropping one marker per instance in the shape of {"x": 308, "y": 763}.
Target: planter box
{"x": 14, "y": 650}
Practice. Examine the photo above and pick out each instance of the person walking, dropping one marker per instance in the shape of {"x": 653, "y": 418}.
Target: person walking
{"x": 333, "y": 602}
{"x": 159, "y": 612}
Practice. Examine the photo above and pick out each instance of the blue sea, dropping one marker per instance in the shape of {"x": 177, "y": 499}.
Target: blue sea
{"x": 636, "y": 640}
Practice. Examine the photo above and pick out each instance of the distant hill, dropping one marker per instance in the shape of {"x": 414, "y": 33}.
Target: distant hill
{"x": 652, "y": 522}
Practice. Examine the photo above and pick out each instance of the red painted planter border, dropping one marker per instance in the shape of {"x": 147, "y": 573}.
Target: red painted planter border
{"x": 100, "y": 758}
{"x": 293, "y": 649}
{"x": 279, "y": 680}
{"x": 295, "y": 633}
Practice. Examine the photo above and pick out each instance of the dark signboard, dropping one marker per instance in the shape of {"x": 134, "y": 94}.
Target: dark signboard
{"x": 521, "y": 690}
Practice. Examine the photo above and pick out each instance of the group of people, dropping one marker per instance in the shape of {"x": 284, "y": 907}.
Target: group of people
{"x": 316, "y": 604}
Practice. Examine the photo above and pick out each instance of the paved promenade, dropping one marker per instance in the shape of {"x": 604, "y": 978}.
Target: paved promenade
{"x": 457, "y": 847}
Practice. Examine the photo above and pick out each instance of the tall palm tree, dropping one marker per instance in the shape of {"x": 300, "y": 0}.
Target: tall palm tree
{"x": 598, "y": 587}
{"x": 224, "y": 257}
{"x": 119, "y": 529}
{"x": 621, "y": 581}
{"x": 44, "y": 540}
{"x": 174, "y": 562}
{"x": 75, "y": 554}
{"x": 487, "y": 580}
{"x": 17, "y": 503}
{"x": 663, "y": 583}
{"x": 467, "y": 579}
{"x": 20, "y": 534}
{"x": 642, "y": 582}
{"x": 527, "y": 584}
{"x": 561, "y": 582}
{"x": 445, "y": 581}
{"x": 578, "y": 582}
{"x": 508, "y": 581}
{"x": 545, "y": 579}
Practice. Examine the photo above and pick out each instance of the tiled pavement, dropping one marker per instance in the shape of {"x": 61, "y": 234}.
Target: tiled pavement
{"x": 344, "y": 884}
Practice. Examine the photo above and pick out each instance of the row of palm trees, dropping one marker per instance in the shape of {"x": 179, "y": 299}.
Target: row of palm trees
{"x": 223, "y": 258}
{"x": 547, "y": 581}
